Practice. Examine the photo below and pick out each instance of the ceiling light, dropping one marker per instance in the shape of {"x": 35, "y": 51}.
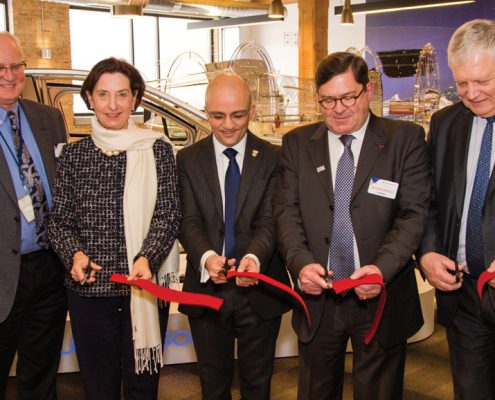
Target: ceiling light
{"x": 127, "y": 10}
{"x": 393, "y": 6}
{"x": 346, "y": 18}
{"x": 228, "y": 22}
{"x": 276, "y": 9}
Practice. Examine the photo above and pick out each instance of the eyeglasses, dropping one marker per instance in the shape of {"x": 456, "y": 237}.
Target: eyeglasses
{"x": 329, "y": 103}
{"x": 15, "y": 68}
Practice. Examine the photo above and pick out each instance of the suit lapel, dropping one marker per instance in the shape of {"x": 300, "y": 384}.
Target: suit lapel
{"x": 253, "y": 158}
{"x": 459, "y": 143}
{"x": 373, "y": 143}
{"x": 6, "y": 178}
{"x": 208, "y": 165}
{"x": 319, "y": 154}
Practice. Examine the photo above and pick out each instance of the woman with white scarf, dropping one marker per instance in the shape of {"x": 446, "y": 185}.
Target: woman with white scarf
{"x": 116, "y": 210}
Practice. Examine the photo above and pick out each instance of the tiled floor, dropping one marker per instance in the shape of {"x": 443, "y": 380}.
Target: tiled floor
{"x": 427, "y": 377}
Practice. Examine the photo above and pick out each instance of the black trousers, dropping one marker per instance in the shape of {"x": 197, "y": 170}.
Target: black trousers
{"x": 35, "y": 328}
{"x": 103, "y": 339}
{"x": 214, "y": 335}
{"x": 377, "y": 373}
{"x": 472, "y": 348}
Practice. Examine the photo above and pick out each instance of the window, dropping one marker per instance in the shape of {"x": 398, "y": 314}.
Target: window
{"x": 3, "y": 16}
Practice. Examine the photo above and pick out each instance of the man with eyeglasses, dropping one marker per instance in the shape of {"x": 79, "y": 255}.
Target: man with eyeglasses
{"x": 226, "y": 185}
{"x": 459, "y": 244}
{"x": 32, "y": 297}
{"x": 352, "y": 201}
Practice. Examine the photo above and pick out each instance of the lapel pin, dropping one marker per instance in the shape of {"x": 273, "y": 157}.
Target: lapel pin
{"x": 381, "y": 146}
{"x": 321, "y": 168}
{"x": 254, "y": 153}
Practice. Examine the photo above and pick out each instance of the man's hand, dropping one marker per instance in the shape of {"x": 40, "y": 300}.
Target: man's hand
{"x": 436, "y": 268}
{"x": 79, "y": 272}
{"x": 140, "y": 269}
{"x": 215, "y": 266}
{"x": 247, "y": 264}
{"x": 370, "y": 291}
{"x": 312, "y": 279}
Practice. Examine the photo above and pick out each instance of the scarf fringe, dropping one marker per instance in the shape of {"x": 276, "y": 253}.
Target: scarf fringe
{"x": 148, "y": 359}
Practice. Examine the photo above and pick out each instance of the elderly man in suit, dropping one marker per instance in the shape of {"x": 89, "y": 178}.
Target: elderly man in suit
{"x": 226, "y": 183}
{"x": 32, "y": 296}
{"x": 352, "y": 200}
{"x": 461, "y": 229}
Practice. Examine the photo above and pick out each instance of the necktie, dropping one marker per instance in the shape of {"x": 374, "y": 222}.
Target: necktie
{"x": 341, "y": 254}
{"x": 232, "y": 178}
{"x": 474, "y": 236}
{"x": 32, "y": 182}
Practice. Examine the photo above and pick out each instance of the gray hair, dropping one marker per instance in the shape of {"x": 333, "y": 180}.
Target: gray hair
{"x": 475, "y": 35}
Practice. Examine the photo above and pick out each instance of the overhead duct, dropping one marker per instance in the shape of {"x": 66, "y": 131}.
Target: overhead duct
{"x": 178, "y": 8}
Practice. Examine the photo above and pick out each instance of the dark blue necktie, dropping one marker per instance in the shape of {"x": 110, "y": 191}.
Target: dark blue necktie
{"x": 341, "y": 254}
{"x": 32, "y": 182}
{"x": 232, "y": 178}
{"x": 474, "y": 235}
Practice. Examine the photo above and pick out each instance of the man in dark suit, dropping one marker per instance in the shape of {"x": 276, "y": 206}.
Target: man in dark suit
{"x": 223, "y": 223}
{"x": 352, "y": 200}
{"x": 32, "y": 296}
{"x": 461, "y": 228}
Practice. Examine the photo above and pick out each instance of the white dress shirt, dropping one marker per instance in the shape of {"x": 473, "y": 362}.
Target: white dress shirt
{"x": 222, "y": 164}
{"x": 336, "y": 149}
{"x": 477, "y": 130}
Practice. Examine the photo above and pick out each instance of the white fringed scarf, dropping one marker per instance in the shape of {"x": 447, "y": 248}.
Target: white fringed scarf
{"x": 140, "y": 193}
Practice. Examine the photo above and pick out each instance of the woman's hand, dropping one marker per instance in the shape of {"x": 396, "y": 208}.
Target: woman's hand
{"x": 80, "y": 272}
{"x": 141, "y": 269}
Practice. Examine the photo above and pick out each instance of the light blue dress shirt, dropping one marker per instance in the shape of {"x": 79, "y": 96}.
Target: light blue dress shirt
{"x": 28, "y": 237}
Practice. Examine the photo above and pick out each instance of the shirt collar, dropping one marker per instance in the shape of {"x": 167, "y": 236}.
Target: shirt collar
{"x": 3, "y": 112}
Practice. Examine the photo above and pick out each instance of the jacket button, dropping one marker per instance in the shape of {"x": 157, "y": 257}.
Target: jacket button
{"x": 15, "y": 252}
{"x": 220, "y": 232}
{"x": 327, "y": 240}
{"x": 16, "y": 219}
{"x": 331, "y": 207}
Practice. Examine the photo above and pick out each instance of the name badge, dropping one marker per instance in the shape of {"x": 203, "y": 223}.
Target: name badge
{"x": 26, "y": 207}
{"x": 383, "y": 188}
{"x": 58, "y": 149}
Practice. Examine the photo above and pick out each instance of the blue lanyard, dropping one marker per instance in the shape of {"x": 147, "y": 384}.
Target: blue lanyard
{"x": 17, "y": 159}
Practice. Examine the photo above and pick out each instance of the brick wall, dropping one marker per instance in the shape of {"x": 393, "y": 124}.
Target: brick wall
{"x": 25, "y": 23}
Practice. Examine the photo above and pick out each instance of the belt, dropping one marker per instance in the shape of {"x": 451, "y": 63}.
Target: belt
{"x": 33, "y": 255}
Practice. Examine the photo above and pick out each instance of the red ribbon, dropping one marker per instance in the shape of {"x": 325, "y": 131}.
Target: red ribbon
{"x": 274, "y": 283}
{"x": 346, "y": 284}
{"x": 483, "y": 279}
{"x": 166, "y": 294}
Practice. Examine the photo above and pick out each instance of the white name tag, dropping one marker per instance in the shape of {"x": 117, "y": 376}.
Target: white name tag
{"x": 383, "y": 188}
{"x": 58, "y": 149}
{"x": 26, "y": 207}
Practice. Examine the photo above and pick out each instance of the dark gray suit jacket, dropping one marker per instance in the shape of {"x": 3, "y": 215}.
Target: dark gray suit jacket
{"x": 448, "y": 142}
{"x": 48, "y": 128}
{"x": 387, "y": 231}
{"x": 202, "y": 223}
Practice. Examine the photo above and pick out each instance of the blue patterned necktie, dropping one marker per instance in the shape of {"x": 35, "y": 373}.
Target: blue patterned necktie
{"x": 341, "y": 254}
{"x": 32, "y": 182}
{"x": 232, "y": 179}
{"x": 474, "y": 234}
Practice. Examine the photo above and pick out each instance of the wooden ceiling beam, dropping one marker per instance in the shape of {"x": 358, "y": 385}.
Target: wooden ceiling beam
{"x": 313, "y": 35}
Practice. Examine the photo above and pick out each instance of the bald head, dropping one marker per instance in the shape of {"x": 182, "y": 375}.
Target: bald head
{"x": 7, "y": 39}
{"x": 228, "y": 108}
{"x": 227, "y": 83}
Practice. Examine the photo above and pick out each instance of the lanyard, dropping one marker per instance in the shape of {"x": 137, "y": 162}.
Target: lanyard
{"x": 17, "y": 159}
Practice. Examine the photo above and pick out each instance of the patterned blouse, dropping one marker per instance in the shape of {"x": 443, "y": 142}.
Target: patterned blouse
{"x": 88, "y": 216}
